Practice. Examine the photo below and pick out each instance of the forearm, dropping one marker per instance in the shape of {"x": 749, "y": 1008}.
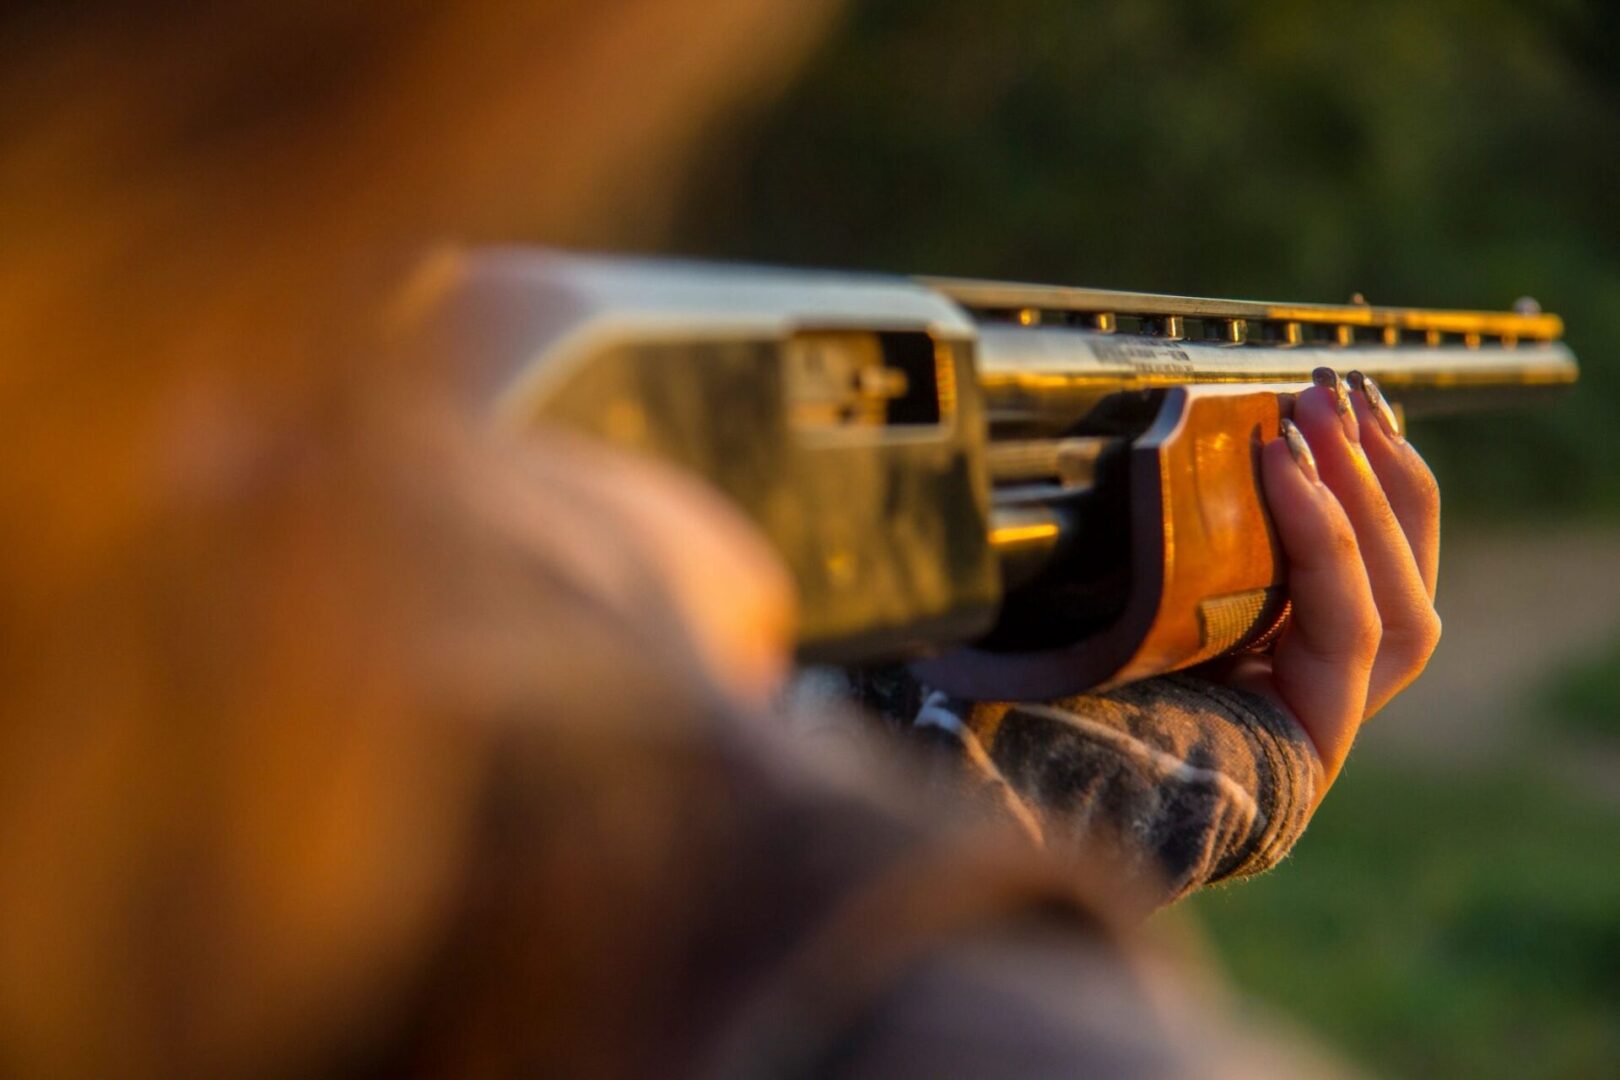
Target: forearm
{"x": 1175, "y": 782}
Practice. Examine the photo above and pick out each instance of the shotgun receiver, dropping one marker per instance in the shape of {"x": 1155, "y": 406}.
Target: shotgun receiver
{"x": 1025, "y": 490}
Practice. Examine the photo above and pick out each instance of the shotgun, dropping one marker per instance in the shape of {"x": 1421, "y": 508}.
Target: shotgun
{"x": 1025, "y": 491}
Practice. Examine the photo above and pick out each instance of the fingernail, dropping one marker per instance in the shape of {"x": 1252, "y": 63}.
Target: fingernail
{"x": 1381, "y": 409}
{"x": 1301, "y": 450}
{"x": 1327, "y": 377}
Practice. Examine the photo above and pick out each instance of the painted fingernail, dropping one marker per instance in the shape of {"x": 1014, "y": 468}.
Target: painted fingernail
{"x": 1301, "y": 450}
{"x": 1381, "y": 409}
{"x": 1328, "y": 378}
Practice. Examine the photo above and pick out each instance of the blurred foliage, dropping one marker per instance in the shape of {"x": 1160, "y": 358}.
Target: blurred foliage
{"x": 1483, "y": 944}
{"x": 1424, "y": 152}
{"x": 1584, "y": 696}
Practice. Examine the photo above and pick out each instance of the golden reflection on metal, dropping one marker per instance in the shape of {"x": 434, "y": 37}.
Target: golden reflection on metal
{"x": 1029, "y": 317}
{"x": 989, "y": 296}
{"x": 1292, "y": 333}
{"x": 1174, "y": 328}
{"x": 1011, "y": 385}
{"x": 1003, "y": 536}
{"x": 1392, "y": 336}
{"x": 1344, "y": 335}
{"x": 837, "y": 379}
{"x": 1103, "y": 322}
{"x": 945, "y": 379}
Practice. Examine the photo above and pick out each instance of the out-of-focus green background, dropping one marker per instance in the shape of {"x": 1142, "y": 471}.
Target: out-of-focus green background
{"x": 1455, "y": 909}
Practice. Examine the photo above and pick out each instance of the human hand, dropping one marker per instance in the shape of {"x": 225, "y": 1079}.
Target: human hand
{"x": 1358, "y": 515}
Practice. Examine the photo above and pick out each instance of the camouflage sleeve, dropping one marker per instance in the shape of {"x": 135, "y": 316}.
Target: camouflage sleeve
{"x": 1172, "y": 782}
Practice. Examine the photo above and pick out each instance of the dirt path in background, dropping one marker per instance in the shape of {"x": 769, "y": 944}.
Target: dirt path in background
{"x": 1517, "y": 604}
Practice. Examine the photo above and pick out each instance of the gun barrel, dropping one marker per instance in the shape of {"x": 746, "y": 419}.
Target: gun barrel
{"x": 1258, "y": 314}
{"x": 1048, "y": 356}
